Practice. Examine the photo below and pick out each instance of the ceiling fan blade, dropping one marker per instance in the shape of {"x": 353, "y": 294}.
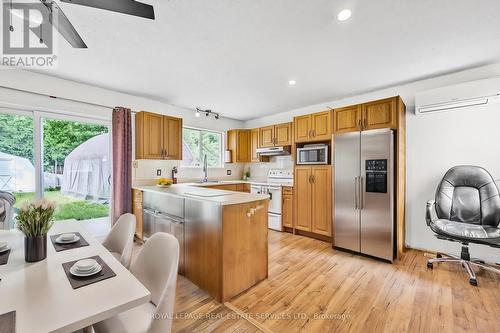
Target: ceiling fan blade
{"x": 129, "y": 7}
{"x": 64, "y": 26}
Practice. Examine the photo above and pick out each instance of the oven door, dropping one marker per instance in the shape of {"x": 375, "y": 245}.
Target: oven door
{"x": 274, "y": 199}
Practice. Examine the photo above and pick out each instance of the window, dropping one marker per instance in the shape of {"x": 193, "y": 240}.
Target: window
{"x": 196, "y": 143}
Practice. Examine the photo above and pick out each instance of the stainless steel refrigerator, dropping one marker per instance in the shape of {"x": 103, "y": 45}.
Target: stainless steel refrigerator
{"x": 364, "y": 193}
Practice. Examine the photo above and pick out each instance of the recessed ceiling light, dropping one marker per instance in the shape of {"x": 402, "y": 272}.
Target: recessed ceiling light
{"x": 292, "y": 82}
{"x": 344, "y": 15}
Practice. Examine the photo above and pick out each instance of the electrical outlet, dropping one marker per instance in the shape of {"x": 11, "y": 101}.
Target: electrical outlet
{"x": 228, "y": 172}
{"x": 158, "y": 172}
{"x": 135, "y": 164}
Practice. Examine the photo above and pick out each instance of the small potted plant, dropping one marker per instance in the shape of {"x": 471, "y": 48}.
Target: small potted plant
{"x": 35, "y": 220}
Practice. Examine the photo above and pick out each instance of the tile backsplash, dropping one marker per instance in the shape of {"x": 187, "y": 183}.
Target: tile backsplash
{"x": 145, "y": 171}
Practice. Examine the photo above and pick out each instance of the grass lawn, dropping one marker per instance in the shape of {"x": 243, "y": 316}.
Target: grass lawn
{"x": 67, "y": 207}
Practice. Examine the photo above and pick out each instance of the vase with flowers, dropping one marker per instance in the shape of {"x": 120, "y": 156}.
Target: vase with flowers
{"x": 35, "y": 220}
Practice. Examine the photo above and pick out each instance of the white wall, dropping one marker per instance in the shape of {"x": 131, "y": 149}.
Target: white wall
{"x": 434, "y": 143}
{"x": 64, "y": 89}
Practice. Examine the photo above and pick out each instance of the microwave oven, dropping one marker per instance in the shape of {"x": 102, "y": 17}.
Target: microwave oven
{"x": 312, "y": 154}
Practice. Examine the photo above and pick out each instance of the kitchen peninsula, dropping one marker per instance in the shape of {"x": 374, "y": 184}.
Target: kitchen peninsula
{"x": 222, "y": 234}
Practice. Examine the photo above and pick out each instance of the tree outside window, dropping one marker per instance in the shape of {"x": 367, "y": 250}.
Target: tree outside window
{"x": 196, "y": 143}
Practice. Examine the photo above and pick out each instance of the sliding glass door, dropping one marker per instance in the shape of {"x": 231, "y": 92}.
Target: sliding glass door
{"x": 17, "y": 157}
{"x": 63, "y": 158}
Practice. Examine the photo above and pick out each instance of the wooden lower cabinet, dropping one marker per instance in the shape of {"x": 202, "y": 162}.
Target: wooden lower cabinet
{"x": 321, "y": 221}
{"x": 137, "y": 211}
{"x": 287, "y": 207}
{"x": 313, "y": 199}
{"x": 303, "y": 190}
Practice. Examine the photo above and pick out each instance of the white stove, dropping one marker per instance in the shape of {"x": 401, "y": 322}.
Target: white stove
{"x": 276, "y": 178}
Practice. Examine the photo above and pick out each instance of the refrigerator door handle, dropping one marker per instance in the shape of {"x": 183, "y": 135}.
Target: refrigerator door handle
{"x": 361, "y": 194}
{"x": 356, "y": 187}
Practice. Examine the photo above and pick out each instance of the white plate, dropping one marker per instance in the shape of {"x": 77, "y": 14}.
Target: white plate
{"x": 85, "y": 263}
{"x": 4, "y": 249}
{"x": 67, "y": 237}
{"x": 86, "y": 270}
{"x": 60, "y": 241}
{"x": 73, "y": 270}
{"x": 162, "y": 186}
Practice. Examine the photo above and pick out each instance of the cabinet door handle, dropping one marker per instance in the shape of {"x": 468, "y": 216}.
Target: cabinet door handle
{"x": 366, "y": 123}
{"x": 359, "y": 124}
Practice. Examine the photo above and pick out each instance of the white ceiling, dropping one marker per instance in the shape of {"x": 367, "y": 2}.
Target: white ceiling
{"x": 237, "y": 56}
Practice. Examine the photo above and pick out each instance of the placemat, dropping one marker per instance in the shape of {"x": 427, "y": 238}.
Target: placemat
{"x": 62, "y": 247}
{"x": 8, "y": 322}
{"x": 4, "y": 257}
{"x": 78, "y": 282}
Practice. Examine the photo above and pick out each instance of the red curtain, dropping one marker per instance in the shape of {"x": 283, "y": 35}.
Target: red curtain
{"x": 122, "y": 162}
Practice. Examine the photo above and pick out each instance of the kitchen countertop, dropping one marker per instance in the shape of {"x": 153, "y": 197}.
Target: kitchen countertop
{"x": 183, "y": 189}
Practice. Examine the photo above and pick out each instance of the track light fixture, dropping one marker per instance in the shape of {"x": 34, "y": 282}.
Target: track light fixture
{"x": 207, "y": 113}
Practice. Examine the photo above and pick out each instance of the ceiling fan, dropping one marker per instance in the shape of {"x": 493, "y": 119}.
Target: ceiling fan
{"x": 59, "y": 20}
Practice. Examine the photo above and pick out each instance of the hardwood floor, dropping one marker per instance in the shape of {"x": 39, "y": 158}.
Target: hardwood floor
{"x": 313, "y": 288}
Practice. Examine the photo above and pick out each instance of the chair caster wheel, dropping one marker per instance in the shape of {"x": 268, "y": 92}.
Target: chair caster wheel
{"x": 439, "y": 255}
{"x": 429, "y": 265}
{"x": 473, "y": 282}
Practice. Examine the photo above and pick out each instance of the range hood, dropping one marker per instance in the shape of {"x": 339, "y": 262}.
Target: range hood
{"x": 274, "y": 151}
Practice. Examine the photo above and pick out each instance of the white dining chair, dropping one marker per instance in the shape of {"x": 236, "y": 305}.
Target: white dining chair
{"x": 120, "y": 239}
{"x": 156, "y": 267}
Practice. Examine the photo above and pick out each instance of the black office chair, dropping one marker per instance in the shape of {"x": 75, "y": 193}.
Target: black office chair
{"x": 466, "y": 210}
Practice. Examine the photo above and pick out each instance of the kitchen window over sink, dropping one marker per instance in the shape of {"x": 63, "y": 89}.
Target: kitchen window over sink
{"x": 198, "y": 142}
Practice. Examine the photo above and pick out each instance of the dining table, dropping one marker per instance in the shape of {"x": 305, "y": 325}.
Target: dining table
{"x": 42, "y": 296}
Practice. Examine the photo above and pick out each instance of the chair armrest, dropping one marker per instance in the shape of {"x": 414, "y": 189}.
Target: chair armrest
{"x": 430, "y": 209}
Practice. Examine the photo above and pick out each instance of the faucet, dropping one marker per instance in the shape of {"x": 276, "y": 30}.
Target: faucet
{"x": 205, "y": 169}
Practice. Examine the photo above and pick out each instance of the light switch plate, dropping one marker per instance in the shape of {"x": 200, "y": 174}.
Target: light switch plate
{"x": 158, "y": 172}
{"x": 228, "y": 172}
{"x": 135, "y": 164}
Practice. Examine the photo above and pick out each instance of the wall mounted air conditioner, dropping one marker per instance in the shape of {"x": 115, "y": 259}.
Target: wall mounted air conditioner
{"x": 464, "y": 95}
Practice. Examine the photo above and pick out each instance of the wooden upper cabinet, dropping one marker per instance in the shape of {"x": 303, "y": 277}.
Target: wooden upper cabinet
{"x": 322, "y": 125}
{"x": 373, "y": 115}
{"x": 380, "y": 114}
{"x": 313, "y": 127}
{"x": 172, "y": 138}
{"x": 347, "y": 119}
{"x": 283, "y": 134}
{"x": 266, "y": 136}
{"x": 303, "y": 204}
{"x": 275, "y": 135}
{"x": 254, "y": 144}
{"x": 321, "y": 200}
{"x": 302, "y": 128}
{"x": 239, "y": 142}
{"x": 157, "y": 137}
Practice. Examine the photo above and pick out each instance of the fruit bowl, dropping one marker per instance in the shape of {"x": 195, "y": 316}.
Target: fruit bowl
{"x": 164, "y": 182}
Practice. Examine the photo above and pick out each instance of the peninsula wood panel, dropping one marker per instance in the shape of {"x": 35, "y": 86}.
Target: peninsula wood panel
{"x": 244, "y": 251}
{"x": 283, "y": 134}
{"x": 321, "y": 200}
{"x": 266, "y": 136}
{"x": 303, "y": 192}
{"x": 380, "y": 114}
{"x": 149, "y": 136}
{"x": 347, "y": 119}
{"x": 401, "y": 177}
{"x": 172, "y": 138}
